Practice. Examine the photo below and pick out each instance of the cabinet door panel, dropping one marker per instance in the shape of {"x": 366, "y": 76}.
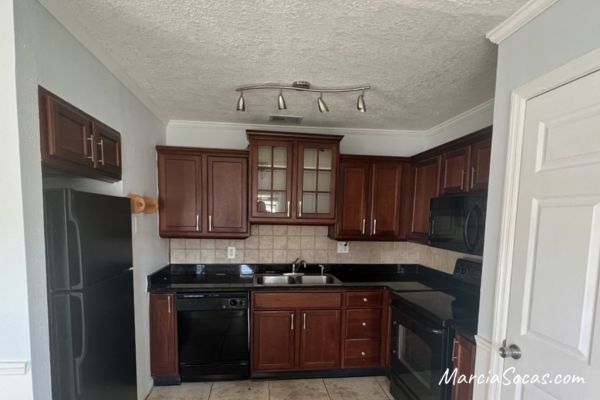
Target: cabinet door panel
{"x": 180, "y": 200}
{"x": 320, "y": 336}
{"x": 464, "y": 362}
{"x": 316, "y": 180}
{"x": 227, "y": 194}
{"x": 454, "y": 171}
{"x": 426, "y": 186}
{"x": 163, "y": 335}
{"x": 480, "y": 165}
{"x": 386, "y": 200}
{"x": 66, "y": 132}
{"x": 273, "y": 340}
{"x": 108, "y": 152}
{"x": 354, "y": 197}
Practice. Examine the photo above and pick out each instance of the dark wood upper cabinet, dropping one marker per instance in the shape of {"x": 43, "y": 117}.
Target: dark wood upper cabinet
{"x": 371, "y": 196}
{"x": 163, "y": 336}
{"x": 293, "y": 178}
{"x": 227, "y": 194}
{"x": 464, "y": 361}
{"x": 273, "y": 340}
{"x": 480, "y": 165}
{"x": 320, "y": 339}
{"x": 425, "y": 187}
{"x": 74, "y": 143}
{"x": 202, "y": 192}
{"x": 454, "y": 171}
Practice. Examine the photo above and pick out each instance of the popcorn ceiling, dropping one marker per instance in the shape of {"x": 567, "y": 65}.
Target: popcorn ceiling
{"x": 427, "y": 60}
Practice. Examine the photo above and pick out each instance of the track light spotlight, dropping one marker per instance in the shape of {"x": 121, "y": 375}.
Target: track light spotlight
{"x": 360, "y": 103}
{"x": 281, "y": 101}
{"x": 321, "y": 103}
{"x": 241, "y": 103}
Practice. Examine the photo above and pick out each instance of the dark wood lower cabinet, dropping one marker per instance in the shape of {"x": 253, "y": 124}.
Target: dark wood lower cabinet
{"x": 320, "y": 339}
{"x": 163, "y": 336}
{"x": 273, "y": 340}
{"x": 464, "y": 362}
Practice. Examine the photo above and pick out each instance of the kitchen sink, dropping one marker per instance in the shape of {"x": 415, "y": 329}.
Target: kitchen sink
{"x": 299, "y": 280}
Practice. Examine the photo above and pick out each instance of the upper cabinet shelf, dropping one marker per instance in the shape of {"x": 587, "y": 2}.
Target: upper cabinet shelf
{"x": 293, "y": 178}
{"x": 73, "y": 142}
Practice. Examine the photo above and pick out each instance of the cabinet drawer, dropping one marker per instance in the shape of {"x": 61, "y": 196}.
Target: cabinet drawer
{"x": 362, "y": 353}
{"x": 296, "y": 300}
{"x": 366, "y": 299}
{"x": 363, "y": 323}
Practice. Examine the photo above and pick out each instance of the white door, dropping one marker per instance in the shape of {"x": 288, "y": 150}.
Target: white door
{"x": 553, "y": 306}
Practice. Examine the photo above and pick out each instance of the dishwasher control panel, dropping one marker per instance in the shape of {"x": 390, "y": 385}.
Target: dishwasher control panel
{"x": 211, "y": 301}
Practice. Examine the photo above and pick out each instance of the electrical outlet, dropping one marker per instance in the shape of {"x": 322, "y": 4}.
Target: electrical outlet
{"x": 343, "y": 247}
{"x": 231, "y": 252}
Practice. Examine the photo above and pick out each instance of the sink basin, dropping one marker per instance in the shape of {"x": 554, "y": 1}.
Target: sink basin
{"x": 277, "y": 280}
{"x": 296, "y": 280}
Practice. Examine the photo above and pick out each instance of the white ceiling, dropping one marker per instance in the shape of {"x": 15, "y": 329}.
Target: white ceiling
{"x": 427, "y": 60}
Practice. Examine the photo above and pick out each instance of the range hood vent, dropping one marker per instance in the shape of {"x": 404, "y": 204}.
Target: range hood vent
{"x": 285, "y": 119}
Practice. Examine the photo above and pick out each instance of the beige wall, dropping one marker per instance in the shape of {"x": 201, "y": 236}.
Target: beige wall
{"x": 282, "y": 244}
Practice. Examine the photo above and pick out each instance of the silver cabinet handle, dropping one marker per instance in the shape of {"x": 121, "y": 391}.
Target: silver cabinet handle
{"x": 374, "y": 226}
{"x": 362, "y": 353}
{"x": 462, "y": 179}
{"x": 292, "y": 323}
{"x": 299, "y": 208}
{"x": 101, "y": 144}
{"x": 365, "y": 299}
{"x": 197, "y": 222}
{"x": 169, "y": 304}
{"x": 304, "y": 321}
{"x": 472, "y": 177}
{"x": 210, "y": 223}
{"x": 364, "y": 324}
{"x": 288, "y": 208}
{"x": 364, "y": 224}
{"x": 91, "y": 140}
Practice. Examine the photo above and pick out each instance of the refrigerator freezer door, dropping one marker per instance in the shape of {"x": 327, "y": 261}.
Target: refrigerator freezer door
{"x": 88, "y": 238}
{"x": 93, "y": 342}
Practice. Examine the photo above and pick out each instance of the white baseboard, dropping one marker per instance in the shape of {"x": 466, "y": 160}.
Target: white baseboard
{"x": 482, "y": 366}
{"x": 13, "y": 367}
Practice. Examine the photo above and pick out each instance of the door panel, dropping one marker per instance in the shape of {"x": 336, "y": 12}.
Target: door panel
{"x": 426, "y": 187}
{"x": 320, "y": 336}
{"x": 316, "y": 175}
{"x": 556, "y": 256}
{"x": 386, "y": 200}
{"x": 454, "y": 176}
{"x": 108, "y": 153}
{"x": 480, "y": 165}
{"x": 273, "y": 340}
{"x": 163, "y": 335}
{"x": 180, "y": 193}
{"x": 352, "y": 218}
{"x": 227, "y": 194}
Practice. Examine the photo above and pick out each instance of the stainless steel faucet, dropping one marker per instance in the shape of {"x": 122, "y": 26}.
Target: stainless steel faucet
{"x": 296, "y": 262}
{"x": 322, "y": 268}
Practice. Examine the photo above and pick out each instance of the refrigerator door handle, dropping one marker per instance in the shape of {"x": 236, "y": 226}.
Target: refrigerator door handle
{"x": 75, "y": 224}
{"x": 79, "y": 359}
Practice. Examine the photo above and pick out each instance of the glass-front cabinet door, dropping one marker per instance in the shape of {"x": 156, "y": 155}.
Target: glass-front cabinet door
{"x": 316, "y": 180}
{"x": 272, "y": 179}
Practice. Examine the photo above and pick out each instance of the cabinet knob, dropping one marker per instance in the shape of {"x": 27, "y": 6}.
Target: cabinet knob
{"x": 364, "y": 324}
{"x": 362, "y": 353}
{"x": 365, "y": 299}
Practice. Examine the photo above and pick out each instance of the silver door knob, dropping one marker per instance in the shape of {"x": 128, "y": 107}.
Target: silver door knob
{"x": 512, "y": 351}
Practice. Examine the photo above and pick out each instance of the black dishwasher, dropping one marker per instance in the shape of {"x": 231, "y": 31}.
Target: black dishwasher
{"x": 213, "y": 336}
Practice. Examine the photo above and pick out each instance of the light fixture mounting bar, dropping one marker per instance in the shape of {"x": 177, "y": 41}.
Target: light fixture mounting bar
{"x": 304, "y": 89}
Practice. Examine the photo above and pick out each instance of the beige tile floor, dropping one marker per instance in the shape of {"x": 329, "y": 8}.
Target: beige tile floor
{"x": 363, "y": 388}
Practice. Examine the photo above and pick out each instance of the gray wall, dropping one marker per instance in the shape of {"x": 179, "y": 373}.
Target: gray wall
{"x": 564, "y": 32}
{"x": 48, "y": 55}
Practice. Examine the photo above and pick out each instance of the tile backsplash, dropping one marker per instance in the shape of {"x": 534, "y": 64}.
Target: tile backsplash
{"x": 283, "y": 244}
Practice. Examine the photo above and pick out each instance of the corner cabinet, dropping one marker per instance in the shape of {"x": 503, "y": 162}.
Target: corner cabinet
{"x": 293, "y": 178}
{"x": 202, "y": 192}
{"x": 372, "y": 199}
{"x": 75, "y": 143}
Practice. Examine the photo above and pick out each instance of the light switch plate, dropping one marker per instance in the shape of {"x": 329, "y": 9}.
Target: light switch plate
{"x": 343, "y": 247}
{"x": 231, "y": 252}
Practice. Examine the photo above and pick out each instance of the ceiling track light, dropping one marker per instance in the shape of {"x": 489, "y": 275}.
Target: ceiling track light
{"x": 303, "y": 86}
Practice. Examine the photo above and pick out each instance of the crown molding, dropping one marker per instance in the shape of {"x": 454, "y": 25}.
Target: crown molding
{"x": 13, "y": 367}
{"x": 444, "y": 126}
{"x": 520, "y": 18}
{"x": 66, "y": 19}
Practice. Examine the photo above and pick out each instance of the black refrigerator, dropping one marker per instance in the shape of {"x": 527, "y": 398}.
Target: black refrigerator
{"x": 90, "y": 295}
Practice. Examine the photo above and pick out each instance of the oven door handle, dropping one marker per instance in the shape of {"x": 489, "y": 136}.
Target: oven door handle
{"x": 418, "y": 325}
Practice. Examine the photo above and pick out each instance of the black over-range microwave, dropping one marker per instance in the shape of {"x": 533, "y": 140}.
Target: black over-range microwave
{"x": 457, "y": 222}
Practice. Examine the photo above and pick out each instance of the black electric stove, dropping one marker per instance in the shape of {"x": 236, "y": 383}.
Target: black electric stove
{"x": 423, "y": 329}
